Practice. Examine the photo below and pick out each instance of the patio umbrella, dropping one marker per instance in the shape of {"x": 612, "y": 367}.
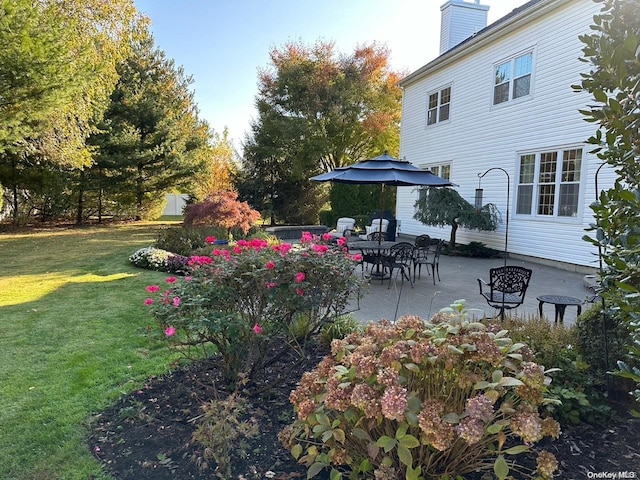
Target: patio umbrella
{"x": 386, "y": 171}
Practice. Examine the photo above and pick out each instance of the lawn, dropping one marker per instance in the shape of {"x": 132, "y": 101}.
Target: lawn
{"x": 73, "y": 338}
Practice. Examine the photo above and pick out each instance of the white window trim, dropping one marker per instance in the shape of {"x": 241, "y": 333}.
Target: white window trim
{"x": 430, "y": 167}
{"x": 438, "y": 91}
{"x": 534, "y": 215}
{"x": 513, "y": 101}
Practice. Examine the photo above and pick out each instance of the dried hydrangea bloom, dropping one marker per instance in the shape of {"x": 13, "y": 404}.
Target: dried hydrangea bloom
{"x": 470, "y": 430}
{"x": 550, "y": 428}
{"x": 391, "y": 356}
{"x": 338, "y": 345}
{"x": 435, "y": 431}
{"x": 526, "y": 424}
{"x": 305, "y": 408}
{"x": 387, "y": 377}
{"x": 488, "y": 351}
{"x": 394, "y": 403}
{"x": 366, "y": 399}
{"x": 365, "y": 365}
{"x": 480, "y": 407}
{"x": 326, "y": 367}
{"x": 338, "y": 397}
{"x": 410, "y": 322}
{"x": 384, "y": 472}
{"x": 422, "y": 350}
{"x": 338, "y": 456}
{"x": 547, "y": 464}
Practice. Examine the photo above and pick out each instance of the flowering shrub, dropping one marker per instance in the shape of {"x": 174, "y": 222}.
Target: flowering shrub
{"x": 420, "y": 400}
{"x": 243, "y": 300}
{"x": 151, "y": 258}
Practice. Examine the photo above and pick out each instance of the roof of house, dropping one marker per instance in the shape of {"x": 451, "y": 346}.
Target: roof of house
{"x": 523, "y": 14}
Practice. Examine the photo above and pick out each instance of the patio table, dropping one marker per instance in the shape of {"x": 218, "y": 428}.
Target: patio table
{"x": 561, "y": 302}
{"x": 375, "y": 249}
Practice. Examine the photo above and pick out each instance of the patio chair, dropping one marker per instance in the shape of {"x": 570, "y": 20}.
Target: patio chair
{"x": 344, "y": 227}
{"x": 421, "y": 253}
{"x": 506, "y": 288}
{"x": 400, "y": 259}
{"x": 375, "y": 226}
{"x": 429, "y": 256}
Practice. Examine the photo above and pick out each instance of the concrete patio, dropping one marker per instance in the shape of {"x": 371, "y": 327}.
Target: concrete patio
{"x": 459, "y": 281}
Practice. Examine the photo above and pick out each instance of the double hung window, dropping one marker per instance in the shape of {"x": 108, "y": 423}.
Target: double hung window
{"x": 512, "y": 78}
{"x": 439, "y": 106}
{"x": 549, "y": 183}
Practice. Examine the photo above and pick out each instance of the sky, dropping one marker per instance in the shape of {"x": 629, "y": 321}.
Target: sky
{"x": 223, "y": 43}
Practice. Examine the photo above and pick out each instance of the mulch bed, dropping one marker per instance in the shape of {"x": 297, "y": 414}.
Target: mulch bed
{"x": 147, "y": 434}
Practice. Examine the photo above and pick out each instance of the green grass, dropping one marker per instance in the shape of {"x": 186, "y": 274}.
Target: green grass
{"x": 72, "y": 340}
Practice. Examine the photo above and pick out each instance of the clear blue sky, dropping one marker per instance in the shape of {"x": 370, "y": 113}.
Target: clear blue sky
{"x": 223, "y": 43}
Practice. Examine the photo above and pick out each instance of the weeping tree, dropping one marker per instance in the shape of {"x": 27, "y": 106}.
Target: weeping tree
{"x": 440, "y": 207}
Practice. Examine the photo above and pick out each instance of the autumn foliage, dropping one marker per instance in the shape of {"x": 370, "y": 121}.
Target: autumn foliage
{"x": 222, "y": 209}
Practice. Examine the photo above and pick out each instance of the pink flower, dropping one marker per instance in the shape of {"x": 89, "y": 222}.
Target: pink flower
{"x": 320, "y": 249}
{"x": 237, "y": 250}
{"x": 171, "y": 280}
{"x": 188, "y": 278}
{"x": 148, "y": 301}
{"x": 152, "y": 288}
{"x": 342, "y": 241}
{"x": 270, "y": 285}
{"x": 357, "y": 257}
{"x": 216, "y": 252}
{"x": 257, "y": 329}
{"x": 170, "y": 331}
{"x": 326, "y": 237}
{"x": 176, "y": 301}
{"x": 300, "y": 292}
{"x": 270, "y": 265}
{"x": 96, "y": 449}
{"x": 210, "y": 240}
{"x": 300, "y": 276}
{"x": 306, "y": 237}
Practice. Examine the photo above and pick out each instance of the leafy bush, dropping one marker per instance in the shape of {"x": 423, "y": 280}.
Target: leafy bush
{"x": 224, "y": 210}
{"x": 184, "y": 241}
{"x": 475, "y": 250}
{"x": 420, "y": 399}
{"x": 554, "y": 346}
{"x": 590, "y": 340}
{"x": 245, "y": 300}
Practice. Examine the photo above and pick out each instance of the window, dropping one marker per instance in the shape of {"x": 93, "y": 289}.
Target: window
{"x": 442, "y": 170}
{"x": 549, "y": 183}
{"x": 439, "y": 103}
{"x": 513, "y": 79}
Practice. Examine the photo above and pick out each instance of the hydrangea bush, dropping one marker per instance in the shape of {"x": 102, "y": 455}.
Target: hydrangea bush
{"x": 244, "y": 299}
{"x": 420, "y": 400}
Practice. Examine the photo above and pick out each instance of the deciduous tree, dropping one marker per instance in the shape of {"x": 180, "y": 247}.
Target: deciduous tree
{"x": 318, "y": 110}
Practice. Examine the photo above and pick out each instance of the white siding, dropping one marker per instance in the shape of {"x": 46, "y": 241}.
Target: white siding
{"x": 480, "y": 135}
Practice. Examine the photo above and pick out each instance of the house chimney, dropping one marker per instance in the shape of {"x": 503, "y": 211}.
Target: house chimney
{"x": 460, "y": 20}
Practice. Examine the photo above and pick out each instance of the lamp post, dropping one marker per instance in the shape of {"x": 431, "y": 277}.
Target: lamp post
{"x": 478, "y": 203}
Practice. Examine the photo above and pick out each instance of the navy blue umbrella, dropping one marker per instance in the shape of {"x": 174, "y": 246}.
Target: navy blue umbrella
{"x": 383, "y": 170}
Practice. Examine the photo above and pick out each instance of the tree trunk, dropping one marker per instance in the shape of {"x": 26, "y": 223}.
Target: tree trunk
{"x": 80, "y": 212}
{"x": 452, "y": 238}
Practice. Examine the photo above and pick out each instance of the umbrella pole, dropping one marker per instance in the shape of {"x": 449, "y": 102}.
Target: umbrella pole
{"x": 381, "y": 205}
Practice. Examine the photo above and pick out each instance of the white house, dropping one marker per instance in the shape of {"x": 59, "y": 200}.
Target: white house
{"x": 503, "y": 98}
